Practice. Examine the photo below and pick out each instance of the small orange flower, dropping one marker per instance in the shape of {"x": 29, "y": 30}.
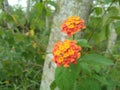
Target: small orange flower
{"x": 66, "y": 52}
{"x": 72, "y": 25}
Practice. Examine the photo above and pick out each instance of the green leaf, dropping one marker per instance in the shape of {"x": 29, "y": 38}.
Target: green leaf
{"x": 95, "y": 22}
{"x": 103, "y": 34}
{"x": 117, "y": 27}
{"x": 53, "y": 3}
{"x": 113, "y": 11}
{"x": 108, "y": 1}
{"x": 83, "y": 43}
{"x": 1, "y": 0}
{"x": 85, "y": 68}
{"x": 19, "y": 37}
{"x": 1, "y": 32}
{"x": 98, "y": 10}
{"x": 115, "y": 17}
{"x": 53, "y": 85}
{"x": 110, "y": 16}
{"x": 97, "y": 68}
{"x": 99, "y": 37}
{"x": 101, "y": 79}
{"x": 87, "y": 84}
{"x": 65, "y": 77}
{"x": 97, "y": 59}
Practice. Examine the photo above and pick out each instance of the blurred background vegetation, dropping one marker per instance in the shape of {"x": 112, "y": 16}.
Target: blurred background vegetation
{"x": 24, "y": 34}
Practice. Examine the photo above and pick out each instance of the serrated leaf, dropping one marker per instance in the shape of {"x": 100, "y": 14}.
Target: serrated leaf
{"x": 97, "y": 59}
{"x": 65, "y": 77}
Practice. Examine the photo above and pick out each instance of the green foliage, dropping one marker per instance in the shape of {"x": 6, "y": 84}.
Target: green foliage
{"x": 52, "y": 3}
{"x": 100, "y": 21}
{"x": 97, "y": 59}
{"x": 83, "y": 43}
{"x": 65, "y": 77}
{"x": 88, "y": 73}
{"x": 85, "y": 67}
{"x": 23, "y": 43}
{"x": 87, "y": 84}
{"x": 117, "y": 27}
{"x": 108, "y": 1}
{"x": 53, "y": 85}
{"x": 21, "y": 62}
{"x": 96, "y": 71}
{"x": 98, "y": 10}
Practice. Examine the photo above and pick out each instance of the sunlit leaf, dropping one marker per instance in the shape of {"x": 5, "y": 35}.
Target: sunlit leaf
{"x": 65, "y": 77}
{"x": 83, "y": 43}
{"x": 97, "y": 59}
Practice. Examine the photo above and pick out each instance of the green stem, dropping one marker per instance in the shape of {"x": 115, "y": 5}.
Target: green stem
{"x": 73, "y": 37}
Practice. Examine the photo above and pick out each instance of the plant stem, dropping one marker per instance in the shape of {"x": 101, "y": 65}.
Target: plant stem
{"x": 73, "y": 37}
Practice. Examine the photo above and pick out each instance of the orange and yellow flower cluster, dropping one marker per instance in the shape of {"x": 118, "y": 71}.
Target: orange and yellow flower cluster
{"x": 72, "y": 25}
{"x": 66, "y": 52}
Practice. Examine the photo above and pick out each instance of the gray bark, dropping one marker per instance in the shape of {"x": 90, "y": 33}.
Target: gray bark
{"x": 113, "y": 35}
{"x": 6, "y": 6}
{"x": 26, "y": 28}
{"x": 66, "y": 8}
{"x": 27, "y": 10}
{"x": 111, "y": 40}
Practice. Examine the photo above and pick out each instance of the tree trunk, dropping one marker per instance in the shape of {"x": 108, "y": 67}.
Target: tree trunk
{"x": 66, "y": 8}
{"x": 27, "y": 17}
{"x": 113, "y": 35}
{"x": 6, "y": 6}
{"x": 27, "y": 10}
{"x": 111, "y": 40}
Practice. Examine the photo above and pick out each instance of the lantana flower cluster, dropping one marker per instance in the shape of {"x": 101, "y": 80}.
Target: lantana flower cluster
{"x": 72, "y": 25}
{"x": 66, "y": 52}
